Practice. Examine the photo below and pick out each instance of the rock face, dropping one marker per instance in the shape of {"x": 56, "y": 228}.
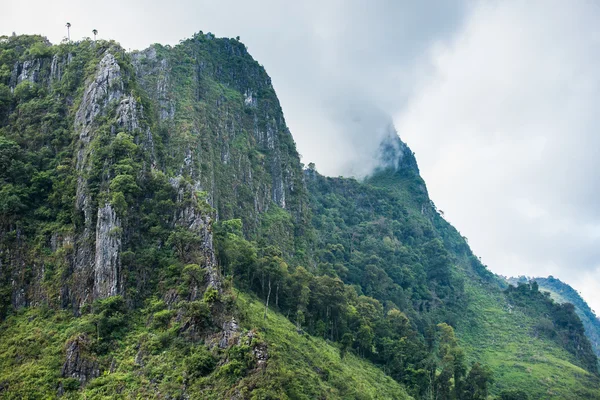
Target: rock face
{"x": 78, "y": 364}
{"x": 108, "y": 246}
{"x": 233, "y": 137}
{"x": 195, "y": 220}
{"x": 202, "y": 115}
{"x": 229, "y": 334}
{"x": 33, "y": 71}
{"x": 30, "y": 71}
{"x": 98, "y": 263}
{"x": 260, "y": 350}
{"x": 154, "y": 75}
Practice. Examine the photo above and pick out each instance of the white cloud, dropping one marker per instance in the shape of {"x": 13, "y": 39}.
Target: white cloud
{"x": 498, "y": 101}
{"x": 505, "y": 132}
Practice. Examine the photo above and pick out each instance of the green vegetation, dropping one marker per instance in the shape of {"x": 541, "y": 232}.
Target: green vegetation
{"x": 560, "y": 322}
{"x": 153, "y": 360}
{"x": 502, "y": 335}
{"x": 310, "y": 367}
{"x": 563, "y": 293}
{"x": 159, "y": 238}
{"x": 390, "y": 216}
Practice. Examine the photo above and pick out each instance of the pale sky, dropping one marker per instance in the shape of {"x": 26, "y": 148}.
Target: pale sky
{"x": 497, "y": 99}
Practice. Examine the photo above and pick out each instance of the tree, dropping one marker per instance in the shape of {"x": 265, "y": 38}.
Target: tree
{"x": 346, "y": 342}
{"x": 476, "y": 384}
{"x": 68, "y": 31}
{"x": 300, "y": 291}
{"x": 9, "y": 152}
{"x": 183, "y": 242}
{"x": 452, "y": 364}
{"x": 95, "y": 32}
{"x": 5, "y": 98}
{"x": 11, "y": 202}
{"x": 274, "y": 269}
{"x": 364, "y": 338}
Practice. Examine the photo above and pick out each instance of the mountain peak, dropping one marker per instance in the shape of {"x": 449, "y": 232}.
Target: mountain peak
{"x": 394, "y": 153}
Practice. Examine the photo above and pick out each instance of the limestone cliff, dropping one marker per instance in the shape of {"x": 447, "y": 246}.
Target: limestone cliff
{"x": 201, "y": 118}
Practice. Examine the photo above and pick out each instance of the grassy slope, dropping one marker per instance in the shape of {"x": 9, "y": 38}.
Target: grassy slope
{"x": 493, "y": 335}
{"x": 32, "y": 351}
{"x": 564, "y": 293}
{"x": 503, "y": 340}
{"x": 313, "y": 366}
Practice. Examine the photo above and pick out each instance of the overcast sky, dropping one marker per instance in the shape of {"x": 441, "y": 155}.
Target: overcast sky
{"x": 498, "y": 99}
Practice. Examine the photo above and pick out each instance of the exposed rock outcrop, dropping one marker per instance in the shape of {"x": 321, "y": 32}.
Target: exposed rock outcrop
{"x": 260, "y": 350}
{"x": 230, "y": 333}
{"x": 79, "y": 364}
{"x": 207, "y": 125}
{"x": 108, "y": 246}
{"x": 96, "y": 275}
{"x": 199, "y": 222}
{"x": 148, "y": 65}
{"x": 106, "y": 86}
{"x": 30, "y": 71}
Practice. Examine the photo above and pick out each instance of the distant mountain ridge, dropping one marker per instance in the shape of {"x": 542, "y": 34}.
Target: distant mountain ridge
{"x": 564, "y": 293}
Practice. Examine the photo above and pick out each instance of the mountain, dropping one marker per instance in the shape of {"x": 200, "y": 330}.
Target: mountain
{"x": 401, "y": 250}
{"x": 160, "y": 238}
{"x": 564, "y": 293}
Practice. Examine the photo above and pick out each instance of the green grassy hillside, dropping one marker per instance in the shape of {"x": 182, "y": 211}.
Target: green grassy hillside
{"x": 563, "y": 293}
{"x": 149, "y": 359}
{"x": 504, "y": 337}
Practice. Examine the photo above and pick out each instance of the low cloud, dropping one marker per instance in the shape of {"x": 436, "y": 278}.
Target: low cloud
{"x": 498, "y": 100}
{"x": 505, "y": 131}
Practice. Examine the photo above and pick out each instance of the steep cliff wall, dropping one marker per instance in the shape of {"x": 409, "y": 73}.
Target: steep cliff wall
{"x": 222, "y": 124}
{"x": 198, "y": 123}
{"x": 136, "y": 189}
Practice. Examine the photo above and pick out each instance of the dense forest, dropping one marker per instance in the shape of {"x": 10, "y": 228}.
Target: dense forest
{"x": 160, "y": 238}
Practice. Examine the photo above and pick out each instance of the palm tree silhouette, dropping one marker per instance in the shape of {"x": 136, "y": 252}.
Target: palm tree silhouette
{"x": 68, "y": 32}
{"x": 95, "y": 32}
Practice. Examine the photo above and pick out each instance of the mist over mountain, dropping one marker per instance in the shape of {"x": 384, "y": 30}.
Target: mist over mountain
{"x": 159, "y": 237}
{"x": 492, "y": 95}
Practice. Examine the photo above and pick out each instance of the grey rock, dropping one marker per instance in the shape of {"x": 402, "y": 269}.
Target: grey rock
{"x": 199, "y": 222}
{"x": 139, "y": 357}
{"x": 250, "y": 99}
{"x": 30, "y": 71}
{"x": 55, "y": 69}
{"x": 260, "y": 351}
{"x": 108, "y": 246}
{"x": 78, "y": 363}
{"x": 229, "y": 333}
{"x": 127, "y": 114}
{"x": 98, "y": 266}
{"x": 106, "y": 86}
{"x": 147, "y": 64}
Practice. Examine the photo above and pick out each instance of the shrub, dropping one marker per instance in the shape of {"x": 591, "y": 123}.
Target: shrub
{"x": 70, "y": 384}
{"x": 211, "y": 295}
{"x": 161, "y": 319}
{"x": 200, "y": 363}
